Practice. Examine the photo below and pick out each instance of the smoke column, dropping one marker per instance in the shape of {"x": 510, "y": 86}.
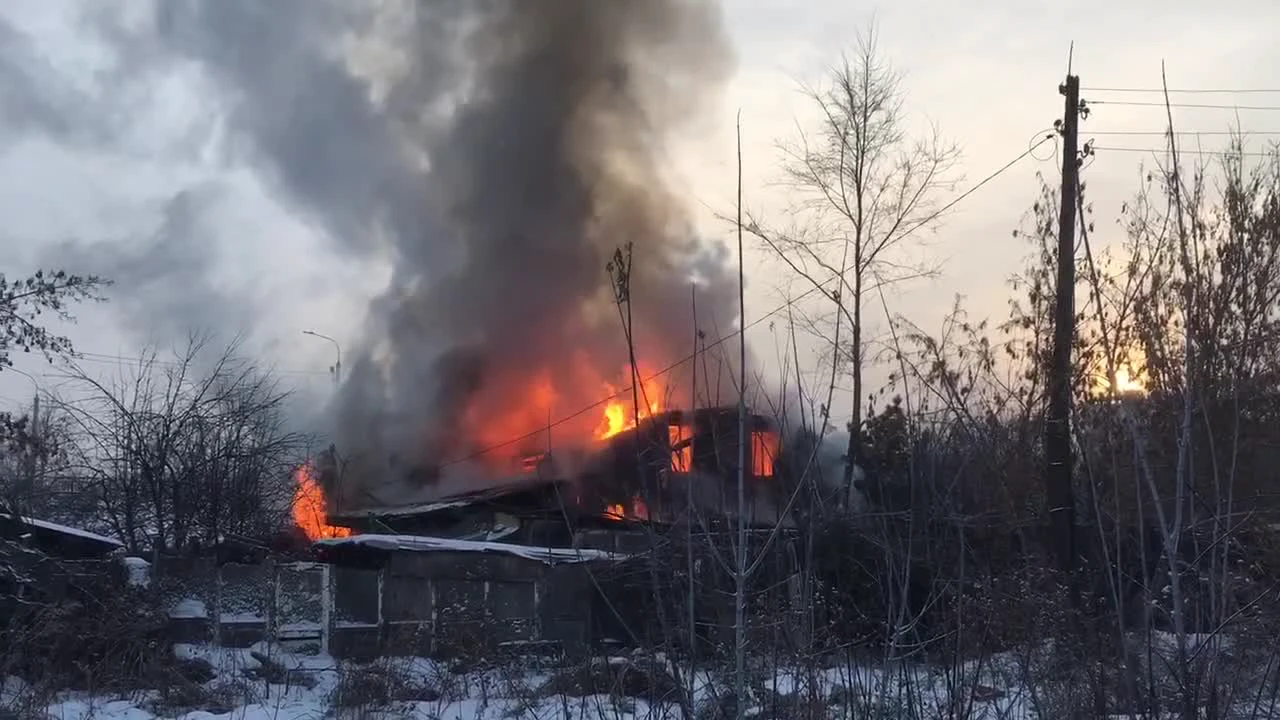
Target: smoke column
{"x": 497, "y": 155}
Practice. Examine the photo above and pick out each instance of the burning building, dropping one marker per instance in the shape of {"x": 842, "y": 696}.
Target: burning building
{"x": 551, "y": 555}
{"x": 525, "y": 379}
{"x": 675, "y": 466}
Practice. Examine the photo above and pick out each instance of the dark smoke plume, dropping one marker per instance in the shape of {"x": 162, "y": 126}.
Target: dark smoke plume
{"x": 498, "y": 153}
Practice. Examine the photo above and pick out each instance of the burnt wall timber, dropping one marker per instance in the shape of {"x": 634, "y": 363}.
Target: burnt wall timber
{"x": 459, "y": 605}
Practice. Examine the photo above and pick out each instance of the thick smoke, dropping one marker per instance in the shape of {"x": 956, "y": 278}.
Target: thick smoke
{"x": 497, "y": 152}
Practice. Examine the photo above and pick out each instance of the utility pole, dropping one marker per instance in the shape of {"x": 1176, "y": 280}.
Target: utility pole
{"x": 740, "y": 572}
{"x": 1057, "y": 431}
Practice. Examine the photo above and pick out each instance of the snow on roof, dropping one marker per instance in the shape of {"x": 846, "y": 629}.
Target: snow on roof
{"x": 139, "y": 571}
{"x": 421, "y": 543}
{"x": 64, "y": 529}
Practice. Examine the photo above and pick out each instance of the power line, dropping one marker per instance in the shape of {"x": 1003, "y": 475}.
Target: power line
{"x": 1181, "y": 151}
{"x": 109, "y": 359}
{"x": 725, "y": 338}
{"x": 1203, "y": 106}
{"x": 1188, "y": 133}
{"x": 1188, "y": 91}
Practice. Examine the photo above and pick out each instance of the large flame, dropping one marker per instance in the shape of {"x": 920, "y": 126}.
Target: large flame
{"x": 517, "y": 418}
{"x": 621, "y": 412}
{"x": 309, "y": 507}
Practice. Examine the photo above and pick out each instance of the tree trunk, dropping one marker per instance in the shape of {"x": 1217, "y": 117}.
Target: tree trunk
{"x": 853, "y": 453}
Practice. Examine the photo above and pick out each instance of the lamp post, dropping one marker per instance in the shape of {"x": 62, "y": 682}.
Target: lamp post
{"x": 336, "y": 368}
{"x": 35, "y": 401}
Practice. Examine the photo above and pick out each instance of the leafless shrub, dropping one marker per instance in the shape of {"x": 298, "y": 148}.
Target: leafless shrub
{"x": 380, "y": 684}
{"x": 220, "y": 696}
{"x": 72, "y": 626}
{"x": 186, "y": 450}
{"x": 626, "y": 677}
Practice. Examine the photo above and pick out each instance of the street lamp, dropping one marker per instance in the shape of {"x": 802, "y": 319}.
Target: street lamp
{"x": 35, "y": 401}
{"x": 336, "y": 368}
{"x": 34, "y": 383}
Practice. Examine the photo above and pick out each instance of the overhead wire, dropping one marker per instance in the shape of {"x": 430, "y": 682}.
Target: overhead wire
{"x": 729, "y": 336}
{"x": 1184, "y": 133}
{"x": 1203, "y": 106}
{"x": 1202, "y": 153}
{"x": 1187, "y": 105}
{"x": 1187, "y": 91}
{"x": 110, "y": 359}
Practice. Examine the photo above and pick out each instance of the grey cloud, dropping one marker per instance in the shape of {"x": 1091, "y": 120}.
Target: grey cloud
{"x": 164, "y": 288}
{"x": 32, "y": 96}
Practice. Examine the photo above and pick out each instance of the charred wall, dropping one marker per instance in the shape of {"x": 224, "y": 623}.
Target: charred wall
{"x": 459, "y": 604}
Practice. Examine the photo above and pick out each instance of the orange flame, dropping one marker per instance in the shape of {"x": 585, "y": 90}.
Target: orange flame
{"x": 618, "y": 511}
{"x": 764, "y": 453}
{"x": 309, "y": 507}
{"x": 519, "y": 414}
{"x": 681, "y": 448}
{"x": 619, "y": 416}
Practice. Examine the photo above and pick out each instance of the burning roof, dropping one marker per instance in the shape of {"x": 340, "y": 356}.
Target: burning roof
{"x": 647, "y": 473}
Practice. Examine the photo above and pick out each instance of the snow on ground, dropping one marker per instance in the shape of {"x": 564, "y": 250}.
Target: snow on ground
{"x": 312, "y": 687}
{"x": 306, "y": 691}
{"x": 189, "y": 608}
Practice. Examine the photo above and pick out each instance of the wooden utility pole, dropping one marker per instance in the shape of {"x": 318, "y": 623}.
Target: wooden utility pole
{"x": 740, "y": 572}
{"x": 1057, "y": 431}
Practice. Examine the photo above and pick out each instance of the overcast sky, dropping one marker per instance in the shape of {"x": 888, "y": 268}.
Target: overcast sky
{"x": 112, "y": 154}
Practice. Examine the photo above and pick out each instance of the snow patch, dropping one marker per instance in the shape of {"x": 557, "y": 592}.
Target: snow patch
{"x": 137, "y": 572}
{"x": 421, "y": 543}
{"x": 189, "y": 609}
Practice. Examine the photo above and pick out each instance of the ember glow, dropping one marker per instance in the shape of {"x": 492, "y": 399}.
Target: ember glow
{"x": 764, "y": 453}
{"x": 679, "y": 436}
{"x": 638, "y": 510}
{"x": 309, "y": 507}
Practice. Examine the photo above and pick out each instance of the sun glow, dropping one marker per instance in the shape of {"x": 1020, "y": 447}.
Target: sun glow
{"x": 1127, "y": 384}
{"x": 1130, "y": 380}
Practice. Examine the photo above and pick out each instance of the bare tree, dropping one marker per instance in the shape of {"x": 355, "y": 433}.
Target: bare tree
{"x": 864, "y": 185}
{"x": 24, "y": 305}
{"x": 36, "y": 478}
{"x": 186, "y": 449}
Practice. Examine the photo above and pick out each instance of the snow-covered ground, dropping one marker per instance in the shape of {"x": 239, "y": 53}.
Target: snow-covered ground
{"x": 308, "y": 687}
{"x": 270, "y": 683}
